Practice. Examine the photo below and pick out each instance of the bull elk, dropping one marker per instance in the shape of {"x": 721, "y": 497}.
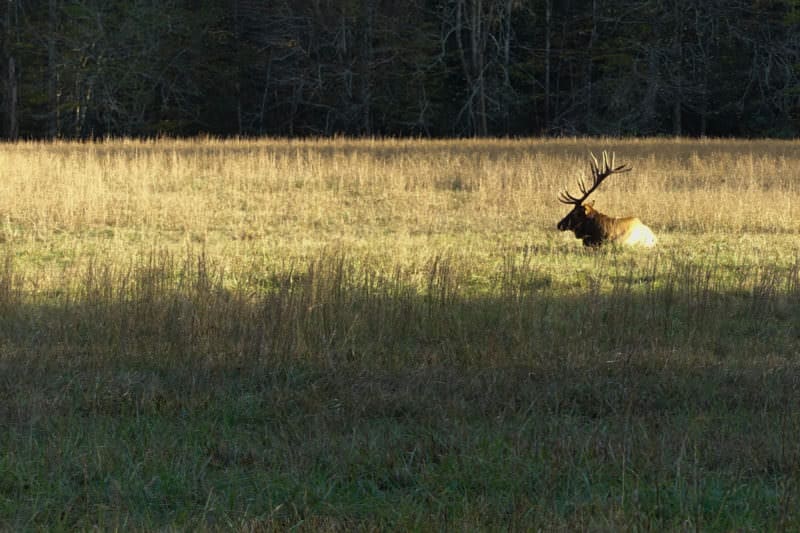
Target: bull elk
{"x": 592, "y": 226}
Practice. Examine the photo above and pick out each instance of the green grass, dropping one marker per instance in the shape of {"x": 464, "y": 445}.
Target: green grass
{"x": 409, "y": 353}
{"x": 498, "y": 448}
{"x": 661, "y": 395}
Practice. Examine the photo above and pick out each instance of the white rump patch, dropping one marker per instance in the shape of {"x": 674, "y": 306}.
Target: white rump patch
{"x": 640, "y": 235}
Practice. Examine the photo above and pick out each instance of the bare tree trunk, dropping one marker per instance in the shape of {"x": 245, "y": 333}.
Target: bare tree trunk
{"x": 474, "y": 65}
{"x": 703, "y": 45}
{"x": 590, "y": 67}
{"x": 52, "y": 71}
{"x": 507, "y": 65}
{"x": 11, "y": 99}
{"x": 479, "y": 29}
{"x": 265, "y": 94}
{"x": 459, "y": 26}
{"x": 679, "y": 76}
{"x": 678, "y": 102}
{"x": 367, "y": 55}
{"x": 12, "y": 130}
{"x": 648, "y": 120}
{"x": 237, "y": 31}
{"x": 548, "y": 12}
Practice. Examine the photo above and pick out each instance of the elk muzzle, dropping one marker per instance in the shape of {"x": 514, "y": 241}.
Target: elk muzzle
{"x": 565, "y": 223}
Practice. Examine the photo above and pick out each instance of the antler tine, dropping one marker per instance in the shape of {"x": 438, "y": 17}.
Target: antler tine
{"x": 599, "y": 173}
{"x": 595, "y": 171}
{"x": 609, "y": 166}
{"x": 567, "y": 198}
{"x": 582, "y": 187}
{"x": 612, "y": 169}
{"x": 581, "y": 183}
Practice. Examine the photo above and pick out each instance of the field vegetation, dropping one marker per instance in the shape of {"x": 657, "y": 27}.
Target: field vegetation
{"x": 391, "y": 334}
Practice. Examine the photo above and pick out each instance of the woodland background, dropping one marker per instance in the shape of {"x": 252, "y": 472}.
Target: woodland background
{"x": 438, "y": 68}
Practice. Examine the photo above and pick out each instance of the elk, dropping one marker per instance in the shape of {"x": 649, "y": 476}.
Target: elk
{"x": 592, "y": 226}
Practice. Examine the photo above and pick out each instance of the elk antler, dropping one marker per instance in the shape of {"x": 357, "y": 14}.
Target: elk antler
{"x": 597, "y": 178}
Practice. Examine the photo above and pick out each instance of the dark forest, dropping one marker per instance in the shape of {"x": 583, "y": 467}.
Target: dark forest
{"x": 431, "y": 68}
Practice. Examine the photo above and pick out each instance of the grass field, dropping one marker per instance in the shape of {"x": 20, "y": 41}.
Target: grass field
{"x": 391, "y": 334}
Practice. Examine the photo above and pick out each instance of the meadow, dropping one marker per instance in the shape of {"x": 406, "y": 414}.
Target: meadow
{"x": 338, "y": 334}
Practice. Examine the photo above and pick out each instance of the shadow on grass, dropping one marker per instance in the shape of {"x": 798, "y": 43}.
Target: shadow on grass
{"x": 335, "y": 312}
{"x": 334, "y": 396}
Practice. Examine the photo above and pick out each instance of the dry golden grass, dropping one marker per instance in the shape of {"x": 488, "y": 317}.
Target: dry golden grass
{"x": 401, "y": 201}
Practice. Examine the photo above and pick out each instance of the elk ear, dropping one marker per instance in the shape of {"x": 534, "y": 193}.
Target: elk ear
{"x": 591, "y": 204}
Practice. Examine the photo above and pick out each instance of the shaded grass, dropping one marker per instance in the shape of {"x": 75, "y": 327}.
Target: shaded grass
{"x": 662, "y": 394}
{"x": 489, "y": 449}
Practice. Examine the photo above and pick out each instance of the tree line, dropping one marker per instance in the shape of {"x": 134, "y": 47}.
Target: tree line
{"x": 440, "y": 68}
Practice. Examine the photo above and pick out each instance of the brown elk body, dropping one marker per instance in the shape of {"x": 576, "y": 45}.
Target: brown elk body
{"x": 593, "y": 227}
